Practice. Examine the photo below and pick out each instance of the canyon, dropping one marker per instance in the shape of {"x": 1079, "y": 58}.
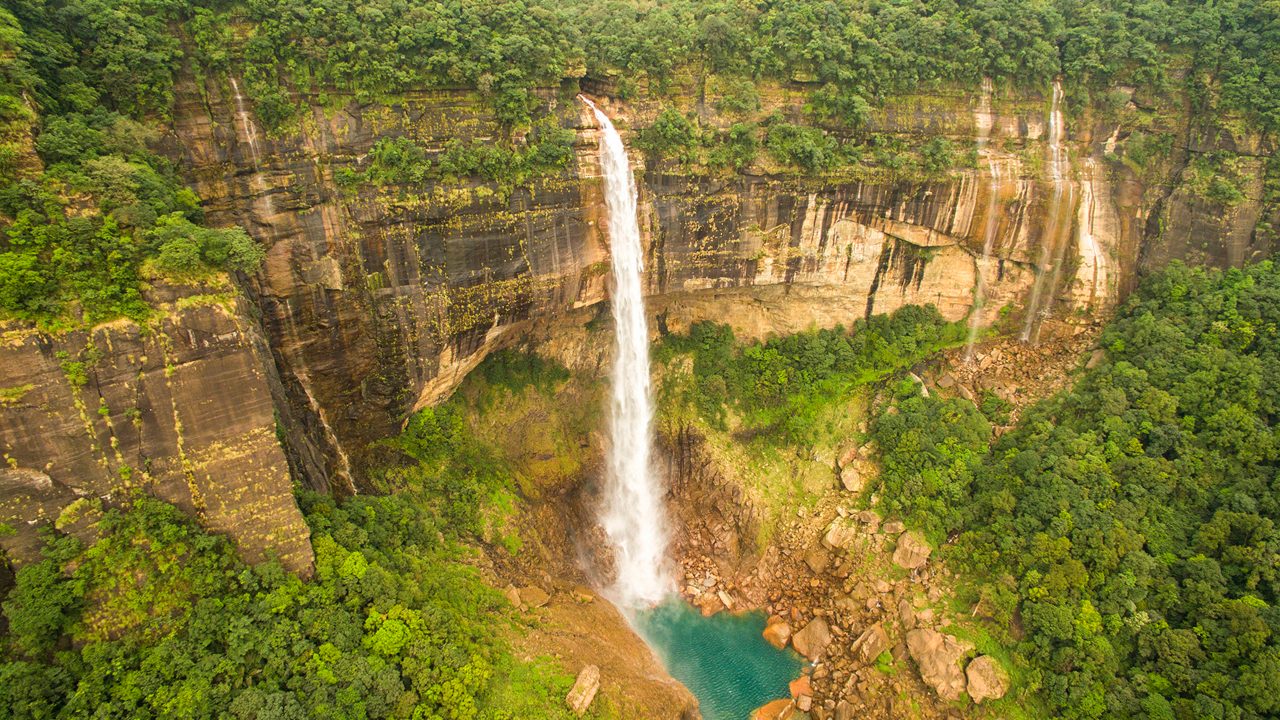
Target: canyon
{"x": 378, "y": 300}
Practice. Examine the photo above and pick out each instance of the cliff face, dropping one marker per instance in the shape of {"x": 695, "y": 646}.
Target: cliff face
{"x": 377, "y": 300}
{"x": 180, "y": 408}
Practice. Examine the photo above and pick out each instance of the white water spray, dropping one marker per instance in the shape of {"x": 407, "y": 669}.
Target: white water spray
{"x": 985, "y": 121}
{"x": 1054, "y": 227}
{"x": 633, "y": 515}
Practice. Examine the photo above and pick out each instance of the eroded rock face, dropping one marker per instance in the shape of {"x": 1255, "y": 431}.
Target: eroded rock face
{"x": 939, "y": 658}
{"x": 378, "y": 300}
{"x": 181, "y": 409}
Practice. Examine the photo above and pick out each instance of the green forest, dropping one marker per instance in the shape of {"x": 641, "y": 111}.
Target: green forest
{"x": 160, "y": 619}
{"x": 1130, "y": 526}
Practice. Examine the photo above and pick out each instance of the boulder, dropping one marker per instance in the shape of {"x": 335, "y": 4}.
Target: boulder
{"x": 912, "y": 551}
{"x": 840, "y": 534}
{"x": 777, "y": 632}
{"x": 938, "y": 657}
{"x": 870, "y": 518}
{"x": 816, "y": 559}
{"x": 851, "y": 478}
{"x": 873, "y": 641}
{"x": 812, "y": 639}
{"x": 534, "y": 597}
{"x": 893, "y": 527}
{"x": 774, "y": 710}
{"x": 924, "y": 389}
{"x": 584, "y": 690}
{"x": 849, "y": 456}
{"x": 906, "y": 614}
{"x": 801, "y": 686}
{"x": 1095, "y": 358}
{"x": 512, "y": 595}
{"x": 844, "y": 711}
{"x": 987, "y": 679}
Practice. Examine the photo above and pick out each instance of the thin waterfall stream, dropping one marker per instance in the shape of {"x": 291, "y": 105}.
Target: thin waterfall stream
{"x": 1054, "y": 228}
{"x": 985, "y": 121}
{"x": 722, "y": 659}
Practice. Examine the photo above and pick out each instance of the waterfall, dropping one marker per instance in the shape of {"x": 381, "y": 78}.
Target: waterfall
{"x": 1052, "y": 237}
{"x": 632, "y": 515}
{"x": 250, "y": 133}
{"x": 258, "y": 183}
{"x": 985, "y": 120}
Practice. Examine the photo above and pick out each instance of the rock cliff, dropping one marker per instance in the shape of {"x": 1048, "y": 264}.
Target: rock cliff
{"x": 180, "y": 407}
{"x": 377, "y": 299}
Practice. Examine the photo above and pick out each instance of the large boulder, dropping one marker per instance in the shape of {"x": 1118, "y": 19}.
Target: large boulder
{"x": 584, "y": 690}
{"x": 777, "y": 632}
{"x": 912, "y": 551}
{"x": 987, "y": 679}
{"x": 851, "y": 478}
{"x": 939, "y": 656}
{"x": 534, "y": 597}
{"x": 812, "y": 639}
{"x": 873, "y": 641}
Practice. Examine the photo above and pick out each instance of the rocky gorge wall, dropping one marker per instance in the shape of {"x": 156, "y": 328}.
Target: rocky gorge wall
{"x": 377, "y": 299}
{"x": 180, "y": 408}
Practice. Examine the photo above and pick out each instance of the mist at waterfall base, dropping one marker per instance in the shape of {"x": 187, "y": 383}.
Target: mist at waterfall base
{"x": 723, "y": 659}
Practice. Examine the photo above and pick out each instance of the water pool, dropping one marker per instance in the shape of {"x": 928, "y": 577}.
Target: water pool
{"x": 722, "y": 659}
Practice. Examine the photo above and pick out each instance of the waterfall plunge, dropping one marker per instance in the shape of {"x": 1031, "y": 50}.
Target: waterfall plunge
{"x": 633, "y": 515}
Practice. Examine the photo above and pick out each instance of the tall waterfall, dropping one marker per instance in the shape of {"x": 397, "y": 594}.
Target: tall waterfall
{"x": 985, "y": 120}
{"x": 1051, "y": 242}
{"x": 633, "y": 515}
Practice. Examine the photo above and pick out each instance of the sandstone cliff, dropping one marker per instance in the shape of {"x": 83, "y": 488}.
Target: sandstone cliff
{"x": 180, "y": 407}
{"x": 377, "y": 300}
